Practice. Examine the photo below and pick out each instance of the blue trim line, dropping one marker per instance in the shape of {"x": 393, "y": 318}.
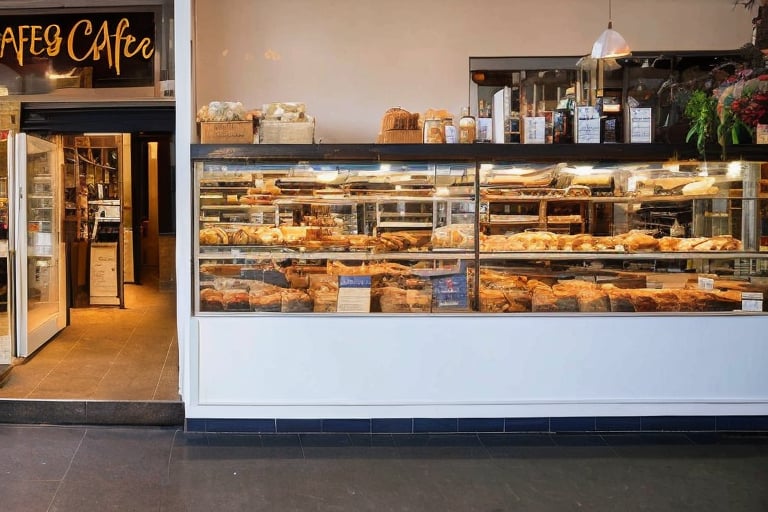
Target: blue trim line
{"x": 483, "y": 425}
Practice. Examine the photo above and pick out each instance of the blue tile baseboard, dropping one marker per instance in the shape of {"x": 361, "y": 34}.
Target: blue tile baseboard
{"x": 484, "y": 425}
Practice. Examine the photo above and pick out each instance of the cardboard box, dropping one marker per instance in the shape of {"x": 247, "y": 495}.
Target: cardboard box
{"x": 230, "y": 132}
{"x": 290, "y": 132}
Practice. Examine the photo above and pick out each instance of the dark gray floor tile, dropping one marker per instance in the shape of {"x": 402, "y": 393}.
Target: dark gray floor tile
{"x": 117, "y": 469}
{"x": 492, "y": 440}
{"x": 578, "y": 440}
{"x": 431, "y": 446}
{"x": 26, "y": 495}
{"x": 37, "y": 453}
{"x": 349, "y": 446}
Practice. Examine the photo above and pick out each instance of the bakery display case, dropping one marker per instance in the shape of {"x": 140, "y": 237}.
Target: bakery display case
{"x": 476, "y": 234}
{"x": 284, "y": 237}
{"x": 642, "y": 237}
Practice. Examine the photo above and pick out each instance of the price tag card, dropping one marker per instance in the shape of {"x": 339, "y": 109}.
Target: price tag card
{"x": 354, "y": 294}
{"x": 641, "y": 125}
{"x": 751, "y": 301}
{"x": 534, "y": 130}
{"x": 587, "y": 125}
{"x": 706, "y": 283}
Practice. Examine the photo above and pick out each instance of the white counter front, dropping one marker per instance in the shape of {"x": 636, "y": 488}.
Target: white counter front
{"x": 478, "y": 366}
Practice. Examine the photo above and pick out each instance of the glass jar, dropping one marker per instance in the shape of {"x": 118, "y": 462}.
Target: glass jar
{"x": 449, "y": 130}
{"x": 434, "y": 132}
{"x": 467, "y": 127}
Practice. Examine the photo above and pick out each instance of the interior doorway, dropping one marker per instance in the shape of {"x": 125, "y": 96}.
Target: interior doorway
{"x": 115, "y": 194}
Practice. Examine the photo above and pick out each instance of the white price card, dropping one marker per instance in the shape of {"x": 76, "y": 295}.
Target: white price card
{"x": 587, "y": 125}
{"x": 534, "y": 130}
{"x": 354, "y": 294}
{"x": 706, "y": 283}
{"x": 641, "y": 125}
{"x": 751, "y": 301}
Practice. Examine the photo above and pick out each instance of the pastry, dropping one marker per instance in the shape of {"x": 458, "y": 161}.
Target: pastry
{"x": 295, "y": 301}
{"x": 637, "y": 241}
{"x": 211, "y": 300}
{"x": 455, "y": 236}
{"x": 213, "y": 236}
{"x": 293, "y": 234}
{"x": 493, "y": 301}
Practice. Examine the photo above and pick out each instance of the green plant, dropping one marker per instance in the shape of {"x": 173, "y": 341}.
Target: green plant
{"x": 701, "y": 109}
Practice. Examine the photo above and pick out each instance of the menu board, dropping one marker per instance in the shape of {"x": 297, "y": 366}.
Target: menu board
{"x": 587, "y": 125}
{"x": 104, "y": 274}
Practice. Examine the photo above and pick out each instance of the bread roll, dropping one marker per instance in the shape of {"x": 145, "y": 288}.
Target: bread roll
{"x": 669, "y": 244}
{"x": 637, "y": 241}
{"x": 213, "y": 236}
{"x": 455, "y": 236}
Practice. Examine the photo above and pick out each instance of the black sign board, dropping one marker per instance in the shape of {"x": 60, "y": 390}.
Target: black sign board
{"x": 119, "y": 47}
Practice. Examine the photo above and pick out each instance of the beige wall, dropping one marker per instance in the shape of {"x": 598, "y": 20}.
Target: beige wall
{"x": 350, "y": 60}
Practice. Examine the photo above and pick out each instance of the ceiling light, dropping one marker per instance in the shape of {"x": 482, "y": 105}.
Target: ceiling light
{"x": 610, "y": 44}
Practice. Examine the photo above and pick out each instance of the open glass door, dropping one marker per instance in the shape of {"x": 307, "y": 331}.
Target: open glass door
{"x": 39, "y": 273}
{"x": 6, "y": 330}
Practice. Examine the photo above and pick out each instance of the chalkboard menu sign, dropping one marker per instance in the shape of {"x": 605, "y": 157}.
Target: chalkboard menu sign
{"x": 118, "y": 47}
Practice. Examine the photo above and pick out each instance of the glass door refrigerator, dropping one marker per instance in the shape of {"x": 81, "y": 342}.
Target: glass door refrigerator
{"x": 36, "y": 253}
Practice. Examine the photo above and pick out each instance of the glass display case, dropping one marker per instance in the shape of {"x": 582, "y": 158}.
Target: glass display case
{"x": 479, "y": 235}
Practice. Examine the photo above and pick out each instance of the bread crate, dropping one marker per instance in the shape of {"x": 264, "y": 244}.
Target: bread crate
{"x": 286, "y": 132}
{"x": 228, "y": 132}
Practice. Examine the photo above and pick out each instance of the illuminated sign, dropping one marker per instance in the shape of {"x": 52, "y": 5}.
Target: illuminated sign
{"x": 120, "y": 47}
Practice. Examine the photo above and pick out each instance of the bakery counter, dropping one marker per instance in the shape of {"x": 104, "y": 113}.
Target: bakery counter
{"x": 618, "y": 296}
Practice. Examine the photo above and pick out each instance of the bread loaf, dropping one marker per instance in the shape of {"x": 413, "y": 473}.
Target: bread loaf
{"x": 211, "y": 300}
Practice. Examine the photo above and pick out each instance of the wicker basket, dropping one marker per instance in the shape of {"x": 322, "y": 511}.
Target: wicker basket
{"x": 280, "y": 132}
{"x": 400, "y": 137}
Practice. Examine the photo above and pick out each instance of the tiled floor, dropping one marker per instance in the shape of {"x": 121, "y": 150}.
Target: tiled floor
{"x": 83, "y": 469}
{"x": 107, "y": 353}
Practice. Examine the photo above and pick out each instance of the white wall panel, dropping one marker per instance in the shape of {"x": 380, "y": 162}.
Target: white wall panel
{"x": 350, "y": 60}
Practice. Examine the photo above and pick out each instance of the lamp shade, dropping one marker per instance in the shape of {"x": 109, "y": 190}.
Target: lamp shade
{"x": 610, "y": 45}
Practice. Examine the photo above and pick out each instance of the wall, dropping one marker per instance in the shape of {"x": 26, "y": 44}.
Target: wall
{"x": 350, "y": 60}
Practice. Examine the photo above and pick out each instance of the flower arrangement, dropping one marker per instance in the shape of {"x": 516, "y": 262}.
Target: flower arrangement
{"x": 742, "y": 104}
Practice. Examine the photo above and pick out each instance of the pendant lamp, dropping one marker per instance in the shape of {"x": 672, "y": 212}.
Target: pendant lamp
{"x": 610, "y": 44}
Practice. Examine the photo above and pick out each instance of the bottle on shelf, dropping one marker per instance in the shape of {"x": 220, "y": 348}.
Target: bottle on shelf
{"x": 467, "y": 127}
